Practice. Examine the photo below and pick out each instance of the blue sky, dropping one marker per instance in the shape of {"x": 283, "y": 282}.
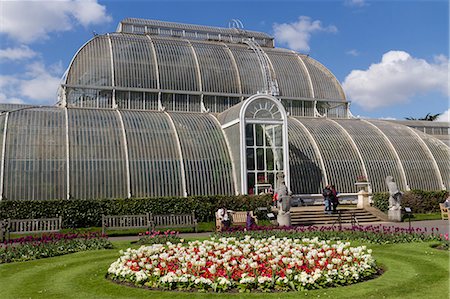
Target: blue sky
{"x": 391, "y": 57}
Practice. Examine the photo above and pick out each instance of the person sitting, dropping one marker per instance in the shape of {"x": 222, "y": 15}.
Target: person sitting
{"x": 224, "y": 218}
{"x": 250, "y": 221}
{"x": 447, "y": 202}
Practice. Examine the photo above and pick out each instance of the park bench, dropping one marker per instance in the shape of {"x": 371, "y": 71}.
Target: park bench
{"x": 173, "y": 221}
{"x": 444, "y": 211}
{"x": 238, "y": 218}
{"x": 149, "y": 221}
{"x": 125, "y": 222}
{"x": 29, "y": 226}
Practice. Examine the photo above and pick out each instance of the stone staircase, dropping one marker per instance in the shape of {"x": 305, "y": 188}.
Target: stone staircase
{"x": 314, "y": 215}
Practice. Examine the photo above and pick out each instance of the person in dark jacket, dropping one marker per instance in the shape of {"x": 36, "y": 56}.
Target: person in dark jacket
{"x": 327, "y": 193}
{"x": 334, "y": 198}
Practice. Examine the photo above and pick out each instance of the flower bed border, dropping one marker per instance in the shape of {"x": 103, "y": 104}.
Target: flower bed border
{"x": 300, "y": 265}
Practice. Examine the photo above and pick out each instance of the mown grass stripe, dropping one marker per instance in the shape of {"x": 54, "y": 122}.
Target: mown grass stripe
{"x": 412, "y": 271}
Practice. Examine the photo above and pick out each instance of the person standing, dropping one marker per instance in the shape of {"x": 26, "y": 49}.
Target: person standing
{"x": 334, "y": 198}
{"x": 327, "y": 193}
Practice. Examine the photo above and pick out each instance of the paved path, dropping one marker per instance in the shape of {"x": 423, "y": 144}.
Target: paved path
{"x": 428, "y": 225}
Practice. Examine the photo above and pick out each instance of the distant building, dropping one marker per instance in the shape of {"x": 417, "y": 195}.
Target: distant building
{"x": 168, "y": 109}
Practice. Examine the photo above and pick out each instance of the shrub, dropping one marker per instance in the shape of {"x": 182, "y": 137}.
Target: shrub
{"x": 376, "y": 234}
{"x": 418, "y": 200}
{"x": 31, "y": 248}
{"x": 381, "y": 201}
{"x": 88, "y": 212}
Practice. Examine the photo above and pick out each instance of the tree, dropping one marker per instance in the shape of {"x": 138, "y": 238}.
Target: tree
{"x": 428, "y": 117}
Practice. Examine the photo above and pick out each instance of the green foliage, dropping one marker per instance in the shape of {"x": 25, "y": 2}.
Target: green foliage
{"x": 375, "y": 234}
{"x": 47, "y": 246}
{"x": 381, "y": 201}
{"x": 419, "y": 201}
{"x": 85, "y": 213}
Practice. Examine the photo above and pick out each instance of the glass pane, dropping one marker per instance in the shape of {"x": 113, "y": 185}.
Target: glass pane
{"x": 250, "y": 159}
{"x": 261, "y": 178}
{"x": 251, "y": 182}
{"x": 269, "y": 159}
{"x": 271, "y": 179}
{"x": 259, "y": 135}
{"x": 260, "y": 158}
{"x": 268, "y": 135}
{"x": 279, "y": 158}
{"x": 249, "y": 135}
{"x": 278, "y": 135}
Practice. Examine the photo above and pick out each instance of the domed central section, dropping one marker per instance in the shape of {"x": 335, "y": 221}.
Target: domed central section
{"x": 154, "y": 65}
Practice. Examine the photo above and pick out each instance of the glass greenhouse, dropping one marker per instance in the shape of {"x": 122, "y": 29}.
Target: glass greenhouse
{"x": 168, "y": 109}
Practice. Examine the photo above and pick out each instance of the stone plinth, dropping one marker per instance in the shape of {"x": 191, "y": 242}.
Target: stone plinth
{"x": 395, "y": 215}
{"x": 284, "y": 218}
{"x": 363, "y": 199}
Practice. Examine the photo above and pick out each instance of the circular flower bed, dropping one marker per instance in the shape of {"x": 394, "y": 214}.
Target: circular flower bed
{"x": 247, "y": 264}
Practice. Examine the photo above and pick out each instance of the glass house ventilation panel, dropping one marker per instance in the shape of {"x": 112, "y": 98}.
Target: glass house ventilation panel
{"x": 263, "y": 144}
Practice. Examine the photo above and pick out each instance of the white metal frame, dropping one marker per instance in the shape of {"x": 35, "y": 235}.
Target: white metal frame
{"x": 182, "y": 170}
{"x": 243, "y": 121}
{"x": 2, "y": 169}
{"x": 127, "y": 160}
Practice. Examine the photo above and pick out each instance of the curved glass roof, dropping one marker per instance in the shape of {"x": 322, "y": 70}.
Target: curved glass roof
{"x": 136, "y": 62}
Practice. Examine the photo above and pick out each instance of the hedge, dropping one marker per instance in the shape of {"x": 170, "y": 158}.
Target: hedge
{"x": 418, "y": 200}
{"x": 86, "y": 213}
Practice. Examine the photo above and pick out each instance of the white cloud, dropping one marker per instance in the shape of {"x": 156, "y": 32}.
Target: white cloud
{"x": 28, "y": 21}
{"x": 444, "y": 116}
{"x": 355, "y": 3}
{"x": 19, "y": 53}
{"x": 296, "y": 35}
{"x": 353, "y": 52}
{"x": 36, "y": 86}
{"x": 395, "y": 79}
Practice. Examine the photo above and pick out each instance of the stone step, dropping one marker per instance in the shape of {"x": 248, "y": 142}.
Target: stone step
{"x": 317, "y": 216}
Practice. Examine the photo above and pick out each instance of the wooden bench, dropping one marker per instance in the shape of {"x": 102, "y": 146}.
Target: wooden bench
{"x": 173, "y": 221}
{"x": 126, "y": 222}
{"x": 29, "y": 226}
{"x": 237, "y": 218}
{"x": 444, "y": 211}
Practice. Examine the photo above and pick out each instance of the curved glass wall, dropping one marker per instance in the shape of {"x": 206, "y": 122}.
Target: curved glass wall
{"x": 216, "y": 68}
{"x": 134, "y": 62}
{"x": 114, "y": 152}
{"x": 176, "y": 64}
{"x": 419, "y": 169}
{"x": 441, "y": 154}
{"x": 341, "y": 161}
{"x": 97, "y": 154}
{"x": 288, "y": 68}
{"x": 307, "y": 175}
{"x": 324, "y": 83}
{"x": 154, "y": 160}
{"x": 92, "y": 64}
{"x": 35, "y": 155}
{"x": 206, "y": 159}
{"x": 378, "y": 157}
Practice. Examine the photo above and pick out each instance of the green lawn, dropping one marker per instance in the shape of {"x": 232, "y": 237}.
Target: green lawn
{"x": 412, "y": 271}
